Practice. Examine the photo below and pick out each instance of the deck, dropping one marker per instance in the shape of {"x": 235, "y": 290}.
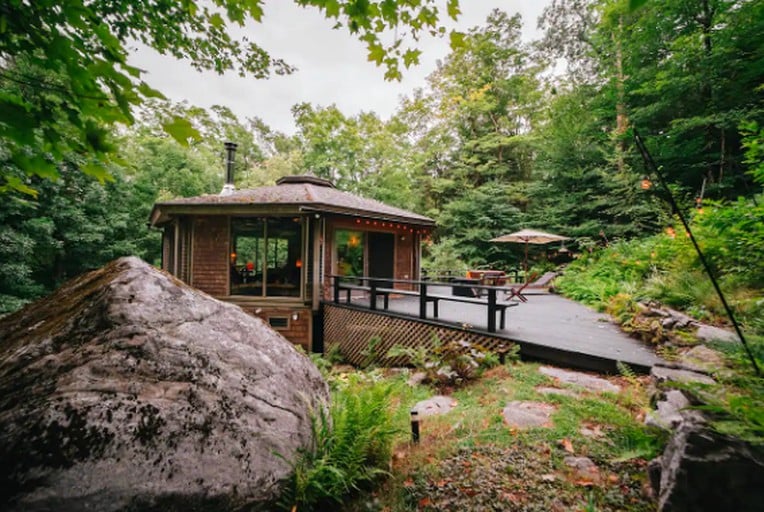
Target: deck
{"x": 546, "y": 327}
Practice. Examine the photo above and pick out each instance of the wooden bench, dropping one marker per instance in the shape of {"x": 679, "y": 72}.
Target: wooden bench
{"x": 501, "y": 307}
{"x": 348, "y": 288}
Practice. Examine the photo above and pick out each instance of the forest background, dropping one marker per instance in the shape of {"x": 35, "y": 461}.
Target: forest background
{"x": 496, "y": 142}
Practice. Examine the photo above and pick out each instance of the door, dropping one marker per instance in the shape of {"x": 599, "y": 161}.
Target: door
{"x": 382, "y": 256}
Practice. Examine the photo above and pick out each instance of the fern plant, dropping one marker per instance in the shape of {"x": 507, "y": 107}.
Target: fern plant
{"x": 351, "y": 447}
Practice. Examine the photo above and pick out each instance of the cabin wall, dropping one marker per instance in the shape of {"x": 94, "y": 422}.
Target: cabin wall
{"x": 406, "y": 243}
{"x": 298, "y": 330}
{"x": 209, "y": 261}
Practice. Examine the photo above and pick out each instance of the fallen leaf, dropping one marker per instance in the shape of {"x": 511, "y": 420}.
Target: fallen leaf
{"x": 548, "y": 478}
{"x": 613, "y": 479}
{"x": 567, "y": 445}
{"x": 408, "y": 483}
{"x": 425, "y": 502}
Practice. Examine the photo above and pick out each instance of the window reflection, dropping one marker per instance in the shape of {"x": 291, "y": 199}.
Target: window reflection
{"x": 350, "y": 247}
{"x": 266, "y": 257}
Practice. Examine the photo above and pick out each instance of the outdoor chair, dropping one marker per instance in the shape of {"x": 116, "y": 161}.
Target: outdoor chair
{"x": 517, "y": 292}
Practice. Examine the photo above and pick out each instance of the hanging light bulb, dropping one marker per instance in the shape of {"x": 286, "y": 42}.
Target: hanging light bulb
{"x": 670, "y": 232}
{"x": 646, "y": 183}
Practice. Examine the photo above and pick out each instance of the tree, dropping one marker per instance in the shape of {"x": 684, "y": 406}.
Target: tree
{"x": 476, "y": 145}
{"x": 64, "y": 76}
{"x": 361, "y": 154}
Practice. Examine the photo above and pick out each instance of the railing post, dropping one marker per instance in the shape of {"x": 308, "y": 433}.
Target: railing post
{"x": 492, "y": 309}
{"x": 336, "y": 289}
{"x": 373, "y": 294}
{"x": 422, "y": 300}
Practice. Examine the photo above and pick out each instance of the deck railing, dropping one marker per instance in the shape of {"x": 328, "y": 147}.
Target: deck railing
{"x": 463, "y": 291}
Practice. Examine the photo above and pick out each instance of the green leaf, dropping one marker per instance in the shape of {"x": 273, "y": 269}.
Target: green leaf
{"x": 217, "y": 21}
{"x": 456, "y": 39}
{"x": 149, "y": 92}
{"x": 376, "y": 53}
{"x": 411, "y": 57}
{"x": 181, "y": 129}
{"x": 453, "y": 9}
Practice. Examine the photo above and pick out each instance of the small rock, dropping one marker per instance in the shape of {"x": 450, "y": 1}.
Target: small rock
{"x": 416, "y": 379}
{"x": 670, "y": 411}
{"x": 555, "y": 391}
{"x": 594, "y": 432}
{"x": 438, "y": 404}
{"x": 703, "y": 358}
{"x": 661, "y": 374}
{"x": 710, "y": 333}
{"x": 583, "y": 468}
{"x": 584, "y": 380}
{"x": 522, "y": 414}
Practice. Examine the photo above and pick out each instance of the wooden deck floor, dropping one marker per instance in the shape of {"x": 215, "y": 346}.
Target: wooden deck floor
{"x": 547, "y": 327}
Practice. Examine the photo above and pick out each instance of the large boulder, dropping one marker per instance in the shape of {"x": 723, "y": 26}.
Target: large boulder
{"x": 128, "y": 390}
{"x": 703, "y": 470}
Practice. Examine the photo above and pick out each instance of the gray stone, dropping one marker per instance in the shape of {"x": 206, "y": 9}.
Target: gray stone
{"x": 584, "y": 380}
{"x": 583, "y": 468}
{"x": 416, "y": 379}
{"x": 703, "y": 358}
{"x": 544, "y": 390}
{"x": 522, "y": 414}
{"x": 670, "y": 411}
{"x": 707, "y": 333}
{"x": 662, "y": 374}
{"x": 703, "y": 470}
{"x": 438, "y": 404}
{"x": 127, "y": 389}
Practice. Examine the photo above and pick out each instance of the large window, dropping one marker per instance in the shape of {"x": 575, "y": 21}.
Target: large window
{"x": 266, "y": 257}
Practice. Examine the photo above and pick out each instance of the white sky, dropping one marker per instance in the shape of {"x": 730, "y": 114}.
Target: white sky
{"x": 332, "y": 65}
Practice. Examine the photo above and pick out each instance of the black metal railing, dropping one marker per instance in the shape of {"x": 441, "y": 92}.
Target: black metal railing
{"x": 463, "y": 291}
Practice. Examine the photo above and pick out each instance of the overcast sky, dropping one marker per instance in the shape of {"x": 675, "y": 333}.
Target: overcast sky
{"x": 332, "y": 66}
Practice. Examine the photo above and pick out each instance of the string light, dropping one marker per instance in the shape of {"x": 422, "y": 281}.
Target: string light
{"x": 646, "y": 183}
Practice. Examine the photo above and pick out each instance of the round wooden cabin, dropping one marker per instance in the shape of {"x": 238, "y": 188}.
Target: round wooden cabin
{"x": 272, "y": 250}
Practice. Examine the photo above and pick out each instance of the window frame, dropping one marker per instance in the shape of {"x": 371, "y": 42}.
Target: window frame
{"x": 263, "y": 263}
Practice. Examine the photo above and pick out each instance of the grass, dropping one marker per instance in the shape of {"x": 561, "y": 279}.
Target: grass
{"x": 469, "y": 459}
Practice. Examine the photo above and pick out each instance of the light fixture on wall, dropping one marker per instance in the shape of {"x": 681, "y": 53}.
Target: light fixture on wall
{"x": 295, "y": 316}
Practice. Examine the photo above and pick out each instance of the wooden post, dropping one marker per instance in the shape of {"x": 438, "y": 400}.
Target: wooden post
{"x": 492, "y": 309}
{"x": 423, "y": 300}
{"x": 373, "y": 294}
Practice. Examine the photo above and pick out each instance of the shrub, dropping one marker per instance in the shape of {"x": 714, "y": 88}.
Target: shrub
{"x": 351, "y": 447}
{"x": 450, "y": 364}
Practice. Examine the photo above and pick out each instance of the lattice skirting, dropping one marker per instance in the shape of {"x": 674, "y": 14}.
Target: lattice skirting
{"x": 353, "y": 329}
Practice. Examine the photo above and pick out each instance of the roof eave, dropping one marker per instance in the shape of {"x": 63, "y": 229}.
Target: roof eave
{"x": 162, "y": 212}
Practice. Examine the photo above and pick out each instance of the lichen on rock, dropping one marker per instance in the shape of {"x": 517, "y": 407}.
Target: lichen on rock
{"x": 127, "y": 389}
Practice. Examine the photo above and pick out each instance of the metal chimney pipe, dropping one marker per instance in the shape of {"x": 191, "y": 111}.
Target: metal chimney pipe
{"x": 229, "y": 187}
{"x": 230, "y": 148}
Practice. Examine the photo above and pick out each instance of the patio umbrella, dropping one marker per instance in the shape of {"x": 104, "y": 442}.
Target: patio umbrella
{"x": 529, "y": 236}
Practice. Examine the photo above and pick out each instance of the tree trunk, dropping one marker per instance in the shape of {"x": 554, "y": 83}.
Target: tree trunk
{"x": 621, "y": 117}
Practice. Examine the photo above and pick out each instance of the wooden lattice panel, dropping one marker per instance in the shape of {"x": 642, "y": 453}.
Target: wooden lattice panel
{"x": 352, "y": 329}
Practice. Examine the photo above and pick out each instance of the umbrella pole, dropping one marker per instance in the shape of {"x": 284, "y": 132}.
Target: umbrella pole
{"x": 525, "y": 264}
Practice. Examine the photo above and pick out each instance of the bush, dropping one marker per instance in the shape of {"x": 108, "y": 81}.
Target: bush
{"x": 450, "y": 364}
{"x": 351, "y": 447}
{"x": 669, "y": 271}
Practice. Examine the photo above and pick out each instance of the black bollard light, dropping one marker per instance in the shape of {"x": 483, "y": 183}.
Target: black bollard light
{"x": 414, "y": 426}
